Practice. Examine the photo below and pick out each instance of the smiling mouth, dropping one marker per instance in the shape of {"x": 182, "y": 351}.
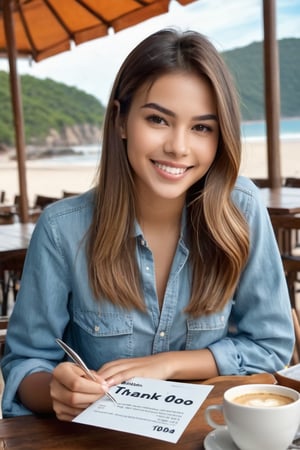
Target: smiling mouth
{"x": 171, "y": 170}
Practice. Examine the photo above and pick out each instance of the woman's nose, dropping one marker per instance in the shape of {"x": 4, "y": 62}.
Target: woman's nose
{"x": 176, "y": 143}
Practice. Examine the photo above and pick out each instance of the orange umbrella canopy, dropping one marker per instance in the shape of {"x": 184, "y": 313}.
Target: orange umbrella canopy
{"x": 45, "y": 28}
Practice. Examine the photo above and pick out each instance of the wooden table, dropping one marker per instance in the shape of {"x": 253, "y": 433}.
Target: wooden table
{"x": 15, "y": 237}
{"x": 14, "y": 241}
{"x": 283, "y": 200}
{"x": 33, "y": 433}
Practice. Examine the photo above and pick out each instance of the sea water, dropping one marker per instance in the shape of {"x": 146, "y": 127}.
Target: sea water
{"x": 256, "y": 130}
{"x": 250, "y": 131}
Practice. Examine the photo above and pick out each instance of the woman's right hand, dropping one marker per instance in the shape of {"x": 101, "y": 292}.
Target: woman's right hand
{"x": 72, "y": 392}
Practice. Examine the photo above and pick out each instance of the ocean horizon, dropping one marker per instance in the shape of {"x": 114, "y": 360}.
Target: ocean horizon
{"x": 252, "y": 131}
{"x": 256, "y": 130}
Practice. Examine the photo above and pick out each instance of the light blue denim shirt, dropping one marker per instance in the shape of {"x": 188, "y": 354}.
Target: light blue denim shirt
{"x": 253, "y": 333}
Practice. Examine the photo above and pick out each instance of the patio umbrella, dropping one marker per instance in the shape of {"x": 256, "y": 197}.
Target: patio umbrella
{"x": 44, "y": 28}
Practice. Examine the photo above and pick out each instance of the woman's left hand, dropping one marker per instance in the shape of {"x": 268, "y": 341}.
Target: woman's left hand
{"x": 157, "y": 366}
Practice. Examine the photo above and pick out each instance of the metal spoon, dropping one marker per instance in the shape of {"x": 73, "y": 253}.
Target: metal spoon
{"x": 77, "y": 360}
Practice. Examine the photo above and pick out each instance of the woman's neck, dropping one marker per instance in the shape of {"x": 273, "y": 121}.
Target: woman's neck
{"x": 159, "y": 212}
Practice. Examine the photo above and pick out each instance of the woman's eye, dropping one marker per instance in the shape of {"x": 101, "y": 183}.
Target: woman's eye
{"x": 156, "y": 119}
{"x": 202, "y": 128}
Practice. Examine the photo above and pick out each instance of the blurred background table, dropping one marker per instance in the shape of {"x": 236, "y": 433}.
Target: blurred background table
{"x": 14, "y": 241}
{"x": 283, "y": 200}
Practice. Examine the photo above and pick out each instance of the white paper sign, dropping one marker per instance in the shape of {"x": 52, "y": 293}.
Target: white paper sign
{"x": 147, "y": 407}
{"x": 291, "y": 372}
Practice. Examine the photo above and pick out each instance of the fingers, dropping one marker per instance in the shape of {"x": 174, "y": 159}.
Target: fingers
{"x": 118, "y": 371}
{"x": 72, "y": 392}
{"x": 153, "y": 366}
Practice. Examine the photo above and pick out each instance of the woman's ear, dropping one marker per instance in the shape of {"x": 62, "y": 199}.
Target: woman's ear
{"x": 120, "y": 122}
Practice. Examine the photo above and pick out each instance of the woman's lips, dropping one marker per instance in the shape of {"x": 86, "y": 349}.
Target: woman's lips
{"x": 172, "y": 170}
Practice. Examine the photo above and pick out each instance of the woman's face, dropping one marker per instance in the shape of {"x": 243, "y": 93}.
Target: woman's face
{"x": 172, "y": 135}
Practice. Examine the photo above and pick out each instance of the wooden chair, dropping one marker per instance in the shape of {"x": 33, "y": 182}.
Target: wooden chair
{"x": 11, "y": 267}
{"x": 292, "y": 270}
{"x": 3, "y": 329}
{"x": 296, "y": 354}
{"x": 67, "y": 194}
{"x": 285, "y": 227}
{"x": 41, "y": 201}
{"x": 292, "y": 182}
{"x": 7, "y": 216}
{"x": 261, "y": 182}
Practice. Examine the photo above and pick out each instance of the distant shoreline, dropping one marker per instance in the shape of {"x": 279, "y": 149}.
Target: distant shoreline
{"x": 52, "y": 179}
{"x": 246, "y": 122}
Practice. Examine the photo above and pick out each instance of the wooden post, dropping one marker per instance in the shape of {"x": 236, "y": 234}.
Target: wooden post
{"x": 17, "y": 107}
{"x": 272, "y": 93}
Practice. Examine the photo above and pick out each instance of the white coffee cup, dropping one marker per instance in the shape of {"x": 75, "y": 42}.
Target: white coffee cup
{"x": 260, "y": 424}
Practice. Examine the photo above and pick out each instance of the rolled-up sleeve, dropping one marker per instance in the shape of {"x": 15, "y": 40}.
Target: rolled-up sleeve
{"x": 36, "y": 323}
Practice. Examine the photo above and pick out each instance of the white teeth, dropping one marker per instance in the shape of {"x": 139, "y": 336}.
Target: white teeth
{"x": 171, "y": 170}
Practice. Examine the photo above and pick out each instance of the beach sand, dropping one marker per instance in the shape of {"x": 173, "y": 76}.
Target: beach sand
{"x": 254, "y": 158}
{"x": 53, "y": 179}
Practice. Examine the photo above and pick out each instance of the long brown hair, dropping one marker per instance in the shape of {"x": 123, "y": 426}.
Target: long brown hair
{"x": 218, "y": 233}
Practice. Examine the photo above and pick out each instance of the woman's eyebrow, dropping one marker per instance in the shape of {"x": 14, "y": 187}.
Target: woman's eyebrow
{"x": 172, "y": 114}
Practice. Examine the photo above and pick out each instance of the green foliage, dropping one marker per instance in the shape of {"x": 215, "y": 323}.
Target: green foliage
{"x": 247, "y": 67}
{"x": 48, "y": 104}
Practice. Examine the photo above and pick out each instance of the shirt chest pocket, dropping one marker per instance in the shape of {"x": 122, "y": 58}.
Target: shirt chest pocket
{"x": 106, "y": 336}
{"x": 207, "y": 329}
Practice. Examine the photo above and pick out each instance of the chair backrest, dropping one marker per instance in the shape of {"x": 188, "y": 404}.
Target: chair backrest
{"x": 11, "y": 267}
{"x": 7, "y": 216}
{"x": 42, "y": 201}
{"x": 261, "y": 182}
{"x": 3, "y": 330}
{"x": 286, "y": 228}
{"x": 296, "y": 354}
{"x": 67, "y": 194}
{"x": 292, "y": 182}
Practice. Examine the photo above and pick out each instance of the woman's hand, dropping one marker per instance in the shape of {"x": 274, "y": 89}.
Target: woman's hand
{"x": 174, "y": 365}
{"x": 157, "y": 366}
{"x": 72, "y": 392}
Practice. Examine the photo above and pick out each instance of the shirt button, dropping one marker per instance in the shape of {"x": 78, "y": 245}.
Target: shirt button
{"x": 147, "y": 268}
{"x": 96, "y": 328}
{"x": 143, "y": 242}
{"x": 162, "y": 334}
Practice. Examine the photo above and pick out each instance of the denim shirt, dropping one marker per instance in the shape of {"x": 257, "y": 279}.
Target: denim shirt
{"x": 253, "y": 333}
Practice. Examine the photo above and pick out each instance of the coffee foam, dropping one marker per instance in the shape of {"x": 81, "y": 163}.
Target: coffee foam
{"x": 262, "y": 399}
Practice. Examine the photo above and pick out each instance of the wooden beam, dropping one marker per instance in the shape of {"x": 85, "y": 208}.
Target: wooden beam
{"x": 17, "y": 107}
{"x": 272, "y": 93}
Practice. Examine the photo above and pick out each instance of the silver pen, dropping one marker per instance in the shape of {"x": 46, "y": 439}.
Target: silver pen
{"x": 77, "y": 360}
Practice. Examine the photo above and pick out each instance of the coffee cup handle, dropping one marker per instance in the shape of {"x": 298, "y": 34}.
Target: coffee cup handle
{"x": 208, "y": 417}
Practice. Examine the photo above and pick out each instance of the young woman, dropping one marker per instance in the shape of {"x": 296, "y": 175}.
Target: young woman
{"x": 167, "y": 269}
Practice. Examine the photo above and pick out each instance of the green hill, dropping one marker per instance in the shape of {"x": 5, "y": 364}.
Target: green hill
{"x": 246, "y": 64}
{"x": 47, "y": 105}
{"x": 51, "y": 105}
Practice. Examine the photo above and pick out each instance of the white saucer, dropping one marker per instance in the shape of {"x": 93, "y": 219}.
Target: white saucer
{"x": 219, "y": 440}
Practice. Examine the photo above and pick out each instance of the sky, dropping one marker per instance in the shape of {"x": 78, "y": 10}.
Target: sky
{"x": 229, "y": 24}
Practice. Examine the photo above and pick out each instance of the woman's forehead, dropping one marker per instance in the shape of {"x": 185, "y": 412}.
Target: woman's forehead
{"x": 177, "y": 86}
